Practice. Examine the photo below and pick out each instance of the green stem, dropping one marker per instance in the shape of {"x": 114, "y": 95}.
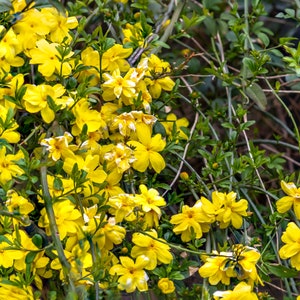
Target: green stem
{"x": 53, "y": 226}
{"x": 288, "y": 112}
{"x": 171, "y": 26}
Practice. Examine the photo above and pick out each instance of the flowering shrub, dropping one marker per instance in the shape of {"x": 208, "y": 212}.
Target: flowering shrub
{"x": 122, "y": 173}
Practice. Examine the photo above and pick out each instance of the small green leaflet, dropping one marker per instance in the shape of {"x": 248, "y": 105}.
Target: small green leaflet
{"x": 255, "y": 93}
{"x": 5, "y": 6}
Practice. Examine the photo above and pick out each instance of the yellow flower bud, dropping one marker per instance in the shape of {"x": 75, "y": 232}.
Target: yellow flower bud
{"x": 166, "y": 285}
{"x": 184, "y": 176}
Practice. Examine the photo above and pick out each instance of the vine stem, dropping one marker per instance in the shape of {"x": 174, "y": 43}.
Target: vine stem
{"x": 288, "y": 112}
{"x": 53, "y": 227}
{"x": 171, "y": 26}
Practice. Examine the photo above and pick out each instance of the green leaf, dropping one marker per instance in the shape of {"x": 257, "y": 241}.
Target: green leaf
{"x": 176, "y": 276}
{"x": 255, "y": 93}
{"x": 282, "y": 271}
{"x": 30, "y": 257}
{"x": 5, "y": 6}
{"x": 5, "y": 239}
{"x": 37, "y": 240}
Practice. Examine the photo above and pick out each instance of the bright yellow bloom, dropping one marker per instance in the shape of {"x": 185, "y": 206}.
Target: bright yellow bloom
{"x": 18, "y": 204}
{"x": 231, "y": 212}
{"x": 49, "y": 59}
{"x": 112, "y": 185}
{"x": 59, "y": 24}
{"x": 56, "y": 192}
{"x": 58, "y": 147}
{"x": 68, "y": 219}
{"x": 291, "y": 249}
{"x": 244, "y": 263}
{"x": 152, "y": 247}
{"x": 242, "y": 291}
{"x": 133, "y": 33}
{"x": 118, "y": 87}
{"x": 9, "y": 48}
{"x": 121, "y": 156}
{"x": 166, "y": 285}
{"x": 79, "y": 257}
{"x": 292, "y": 199}
{"x": 150, "y": 201}
{"x": 7, "y": 257}
{"x": 26, "y": 246}
{"x": 146, "y": 151}
{"x": 109, "y": 235}
{"x": 12, "y": 84}
{"x": 122, "y": 207}
{"x": 90, "y": 164}
{"x": 214, "y": 268}
{"x": 160, "y": 81}
{"x": 125, "y": 123}
{"x": 192, "y": 220}
{"x": 84, "y": 116}
{"x": 8, "y": 166}
{"x": 114, "y": 58}
{"x": 132, "y": 274}
{"x": 14, "y": 290}
{"x": 33, "y": 26}
{"x": 172, "y": 120}
{"x": 8, "y": 125}
{"x": 37, "y": 96}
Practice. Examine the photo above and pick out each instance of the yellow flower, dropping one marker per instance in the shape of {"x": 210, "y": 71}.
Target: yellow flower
{"x": 122, "y": 207}
{"x": 8, "y": 166}
{"x": 90, "y": 164}
{"x": 112, "y": 186}
{"x": 118, "y": 87}
{"x": 32, "y": 27}
{"x": 56, "y": 192}
{"x": 150, "y": 200}
{"x": 114, "y": 58}
{"x": 121, "y": 156}
{"x": 36, "y": 99}
{"x": 242, "y": 291}
{"x": 132, "y": 274}
{"x": 49, "y": 59}
{"x": 84, "y": 116}
{"x": 291, "y": 249}
{"x": 8, "y": 125}
{"x": 58, "y": 147}
{"x": 192, "y": 220}
{"x": 79, "y": 258}
{"x": 109, "y": 235}
{"x": 68, "y": 219}
{"x": 9, "y": 48}
{"x": 152, "y": 247}
{"x": 125, "y": 123}
{"x": 213, "y": 268}
{"x": 244, "y": 263}
{"x": 133, "y": 33}
{"x": 18, "y": 204}
{"x": 59, "y": 24}
{"x": 172, "y": 120}
{"x": 8, "y": 256}
{"x": 26, "y": 245}
{"x": 292, "y": 199}
{"x": 166, "y": 285}
{"x": 15, "y": 290}
{"x": 146, "y": 151}
{"x": 231, "y": 212}
{"x": 160, "y": 81}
